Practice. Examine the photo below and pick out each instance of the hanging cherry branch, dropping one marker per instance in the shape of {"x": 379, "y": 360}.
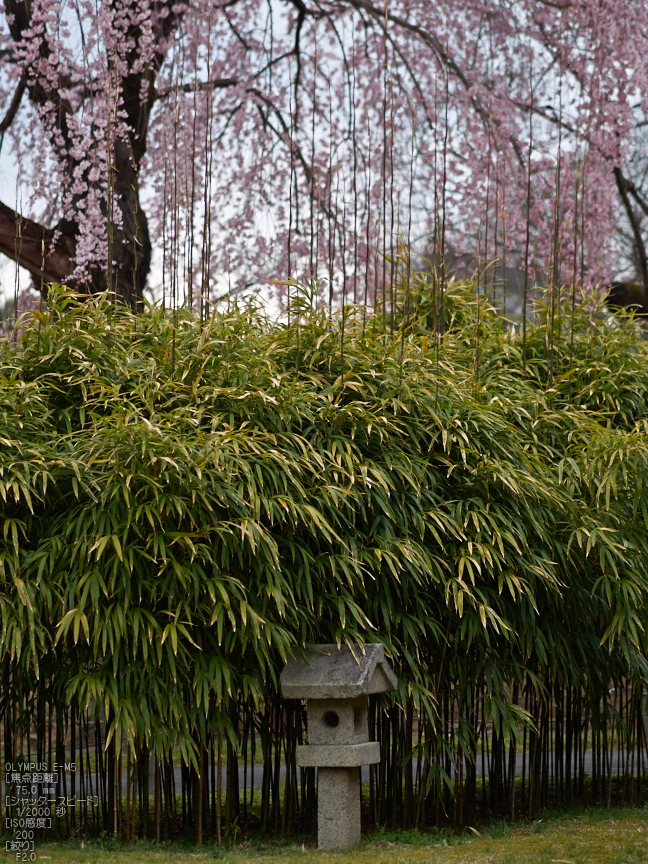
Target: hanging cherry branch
{"x": 225, "y": 125}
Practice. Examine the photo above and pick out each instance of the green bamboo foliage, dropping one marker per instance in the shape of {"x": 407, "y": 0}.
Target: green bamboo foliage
{"x": 184, "y": 504}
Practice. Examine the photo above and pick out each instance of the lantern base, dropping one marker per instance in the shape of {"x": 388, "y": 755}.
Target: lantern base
{"x": 338, "y": 808}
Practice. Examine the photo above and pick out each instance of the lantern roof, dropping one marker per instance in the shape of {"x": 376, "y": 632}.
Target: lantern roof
{"x": 332, "y": 672}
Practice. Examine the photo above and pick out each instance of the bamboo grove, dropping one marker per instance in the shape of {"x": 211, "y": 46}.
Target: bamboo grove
{"x": 184, "y": 503}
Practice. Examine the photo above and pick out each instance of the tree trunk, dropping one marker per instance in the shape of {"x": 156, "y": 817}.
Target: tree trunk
{"x": 48, "y": 253}
{"x": 131, "y": 242}
{"x": 128, "y": 241}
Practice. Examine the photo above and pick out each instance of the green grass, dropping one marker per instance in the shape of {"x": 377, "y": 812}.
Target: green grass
{"x": 597, "y": 836}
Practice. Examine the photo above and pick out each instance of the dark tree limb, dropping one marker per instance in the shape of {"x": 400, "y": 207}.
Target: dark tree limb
{"x": 625, "y": 187}
{"x": 641, "y": 201}
{"x": 12, "y": 110}
{"x": 46, "y": 254}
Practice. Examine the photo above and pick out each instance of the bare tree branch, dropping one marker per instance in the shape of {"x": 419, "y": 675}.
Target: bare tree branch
{"x": 547, "y": 112}
{"x": 200, "y": 86}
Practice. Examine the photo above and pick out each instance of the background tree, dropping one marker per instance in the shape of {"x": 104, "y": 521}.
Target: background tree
{"x": 260, "y": 138}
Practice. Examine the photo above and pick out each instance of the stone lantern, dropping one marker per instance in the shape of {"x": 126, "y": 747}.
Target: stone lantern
{"x": 337, "y": 687}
